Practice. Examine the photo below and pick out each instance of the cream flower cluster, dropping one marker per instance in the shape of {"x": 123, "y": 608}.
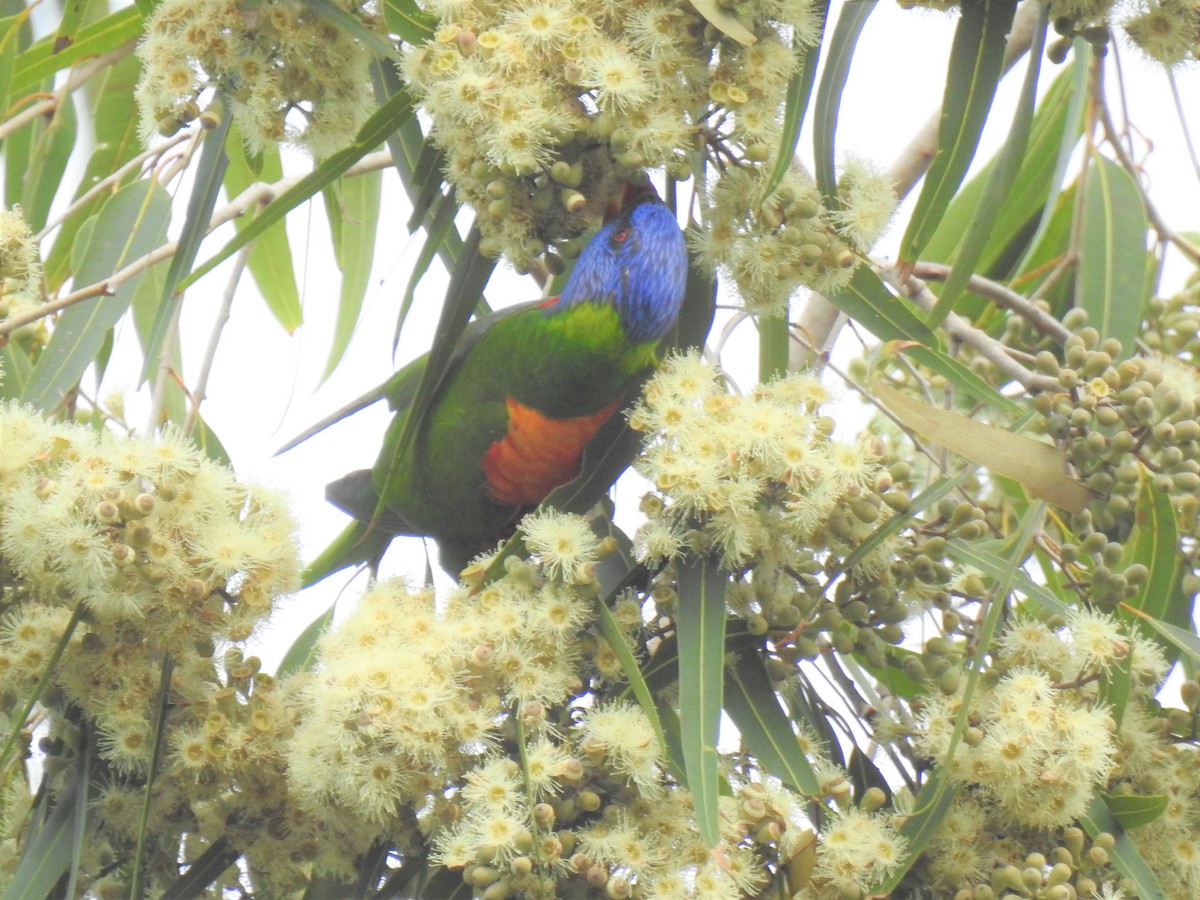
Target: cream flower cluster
{"x": 20, "y": 265}
{"x": 122, "y": 560}
{"x": 381, "y": 737}
{"x": 1038, "y": 751}
{"x": 773, "y": 246}
{"x": 745, "y": 477}
{"x": 290, "y": 73}
{"x": 537, "y": 103}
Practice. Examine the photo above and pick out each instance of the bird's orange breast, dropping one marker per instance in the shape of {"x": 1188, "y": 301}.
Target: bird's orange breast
{"x": 538, "y": 453}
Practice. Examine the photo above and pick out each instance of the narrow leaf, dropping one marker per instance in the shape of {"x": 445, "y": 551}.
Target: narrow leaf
{"x": 869, "y": 303}
{"x": 1185, "y": 641}
{"x": 382, "y": 122}
{"x": 725, "y": 21}
{"x": 754, "y": 708}
{"x": 462, "y": 295}
{"x": 701, "y": 626}
{"x": 358, "y": 201}
{"x": 49, "y": 154}
{"x": 203, "y": 871}
{"x": 976, "y": 63}
{"x": 796, "y": 103}
{"x": 40, "y": 61}
{"x": 132, "y": 223}
{"x": 205, "y": 189}
{"x": 1125, "y": 856}
{"x": 1135, "y": 810}
{"x": 773, "y": 345}
{"x": 995, "y": 568}
{"x": 115, "y": 120}
{"x": 963, "y": 378}
{"x": 46, "y": 856}
{"x": 829, "y": 92}
{"x": 303, "y": 652}
{"x": 633, "y": 674}
{"x": 1111, "y": 284}
{"x": 353, "y": 26}
{"x": 931, "y": 806}
{"x": 270, "y": 260}
{"x": 1155, "y": 544}
{"x": 1039, "y": 466}
{"x": 409, "y": 21}
{"x": 1000, "y": 182}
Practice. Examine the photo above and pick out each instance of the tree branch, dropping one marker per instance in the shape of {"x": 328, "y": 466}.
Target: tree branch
{"x": 1002, "y": 296}
{"x": 984, "y": 344}
{"x": 255, "y": 195}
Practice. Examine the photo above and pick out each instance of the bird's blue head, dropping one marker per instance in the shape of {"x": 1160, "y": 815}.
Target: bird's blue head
{"x": 638, "y": 263}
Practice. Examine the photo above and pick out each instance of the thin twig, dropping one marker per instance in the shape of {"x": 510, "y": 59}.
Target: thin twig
{"x": 110, "y": 182}
{"x": 819, "y": 317}
{"x": 1002, "y": 296}
{"x": 201, "y": 389}
{"x": 1165, "y": 231}
{"x": 983, "y": 344}
{"x": 78, "y": 78}
{"x": 254, "y": 195}
{"x": 158, "y": 390}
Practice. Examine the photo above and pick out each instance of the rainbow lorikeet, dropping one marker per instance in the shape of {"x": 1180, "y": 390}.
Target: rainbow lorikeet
{"x": 526, "y": 389}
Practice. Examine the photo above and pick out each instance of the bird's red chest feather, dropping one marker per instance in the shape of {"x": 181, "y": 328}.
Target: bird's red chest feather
{"x": 537, "y": 454}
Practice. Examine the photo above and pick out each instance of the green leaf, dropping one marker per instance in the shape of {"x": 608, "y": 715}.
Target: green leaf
{"x": 270, "y": 258}
{"x": 994, "y": 567}
{"x": 440, "y": 230}
{"x": 1155, "y": 544}
{"x": 131, "y": 224}
{"x": 932, "y": 804}
{"x": 869, "y": 303}
{"x": 353, "y": 26}
{"x": 754, "y": 708}
{"x": 203, "y": 871}
{"x": 962, "y": 377}
{"x": 44, "y": 859}
{"x": 382, "y": 122}
{"x": 796, "y": 102}
{"x": 17, "y": 368}
{"x": 701, "y": 627}
{"x": 11, "y": 28}
{"x": 976, "y": 64}
{"x": 1125, "y": 856}
{"x": 1111, "y": 285}
{"x": 829, "y": 92}
{"x": 1033, "y": 193}
{"x": 725, "y": 21}
{"x": 114, "y": 118}
{"x": 1135, "y": 810}
{"x": 633, "y": 674}
{"x": 68, "y": 24}
{"x": 303, "y": 652}
{"x": 40, "y": 61}
{"x": 357, "y": 201}
{"x": 205, "y": 189}
{"x": 409, "y": 21}
{"x": 462, "y": 296}
{"x": 156, "y": 750}
{"x": 1185, "y": 641}
{"x": 774, "y": 341}
{"x": 940, "y": 488}
{"x": 53, "y": 142}
{"x": 1116, "y": 686}
{"x": 1000, "y": 182}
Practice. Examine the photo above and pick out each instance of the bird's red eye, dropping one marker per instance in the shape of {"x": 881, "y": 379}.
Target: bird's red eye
{"x": 620, "y": 234}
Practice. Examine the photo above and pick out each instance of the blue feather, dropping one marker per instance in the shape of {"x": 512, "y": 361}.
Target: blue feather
{"x": 637, "y": 263}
